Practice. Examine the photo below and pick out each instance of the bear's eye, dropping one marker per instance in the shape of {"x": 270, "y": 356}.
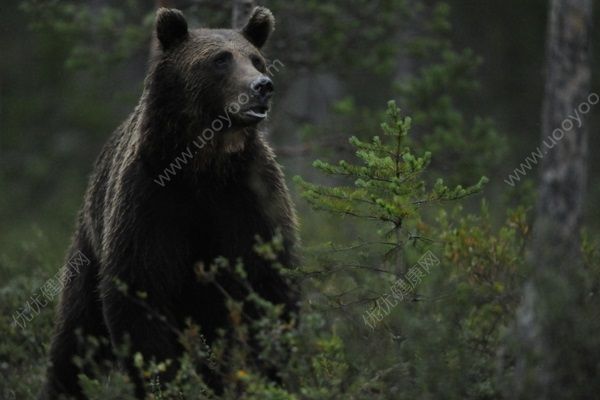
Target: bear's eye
{"x": 258, "y": 63}
{"x": 222, "y": 59}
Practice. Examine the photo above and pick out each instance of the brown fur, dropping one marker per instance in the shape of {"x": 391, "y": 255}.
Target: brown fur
{"x": 149, "y": 236}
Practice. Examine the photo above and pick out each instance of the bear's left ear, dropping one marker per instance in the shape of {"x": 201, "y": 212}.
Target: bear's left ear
{"x": 171, "y": 27}
{"x": 259, "y": 26}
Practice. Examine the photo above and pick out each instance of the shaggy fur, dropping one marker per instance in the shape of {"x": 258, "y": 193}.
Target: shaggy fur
{"x": 150, "y": 237}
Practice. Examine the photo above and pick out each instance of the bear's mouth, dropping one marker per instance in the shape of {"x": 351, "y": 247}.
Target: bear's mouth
{"x": 257, "y": 112}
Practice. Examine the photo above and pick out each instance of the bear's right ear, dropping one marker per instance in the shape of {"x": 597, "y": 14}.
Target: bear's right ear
{"x": 171, "y": 27}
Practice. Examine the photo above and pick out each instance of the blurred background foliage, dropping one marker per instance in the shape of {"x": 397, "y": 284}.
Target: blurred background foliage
{"x": 468, "y": 73}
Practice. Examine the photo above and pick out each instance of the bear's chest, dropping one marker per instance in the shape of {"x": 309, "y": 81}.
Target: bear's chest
{"x": 230, "y": 216}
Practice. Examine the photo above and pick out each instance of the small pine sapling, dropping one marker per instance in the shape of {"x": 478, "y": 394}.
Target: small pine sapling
{"x": 388, "y": 185}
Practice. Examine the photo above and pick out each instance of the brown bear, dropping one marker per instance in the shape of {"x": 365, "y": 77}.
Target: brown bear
{"x": 148, "y": 225}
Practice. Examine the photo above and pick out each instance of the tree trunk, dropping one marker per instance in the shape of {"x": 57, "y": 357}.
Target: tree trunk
{"x": 241, "y": 12}
{"x": 563, "y": 174}
{"x": 555, "y": 253}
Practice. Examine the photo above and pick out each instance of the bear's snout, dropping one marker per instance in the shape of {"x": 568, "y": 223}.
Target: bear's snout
{"x": 262, "y": 87}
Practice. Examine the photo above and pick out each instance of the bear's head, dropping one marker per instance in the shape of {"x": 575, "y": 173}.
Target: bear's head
{"x": 215, "y": 73}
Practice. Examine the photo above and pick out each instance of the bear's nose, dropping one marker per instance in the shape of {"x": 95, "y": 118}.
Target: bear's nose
{"x": 262, "y": 87}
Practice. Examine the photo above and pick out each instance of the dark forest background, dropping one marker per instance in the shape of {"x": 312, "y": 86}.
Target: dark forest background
{"x": 471, "y": 74}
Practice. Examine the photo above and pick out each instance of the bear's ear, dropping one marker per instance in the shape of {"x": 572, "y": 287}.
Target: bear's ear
{"x": 259, "y": 26}
{"x": 171, "y": 27}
